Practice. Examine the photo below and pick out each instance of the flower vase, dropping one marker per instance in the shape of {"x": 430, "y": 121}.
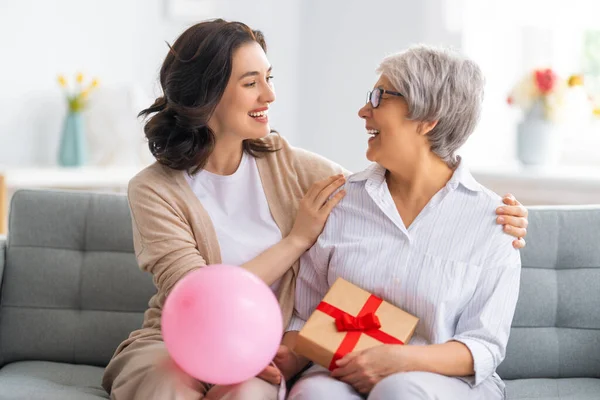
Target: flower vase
{"x": 73, "y": 146}
{"x": 539, "y": 141}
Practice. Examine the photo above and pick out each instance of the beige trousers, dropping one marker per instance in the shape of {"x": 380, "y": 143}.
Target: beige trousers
{"x": 144, "y": 371}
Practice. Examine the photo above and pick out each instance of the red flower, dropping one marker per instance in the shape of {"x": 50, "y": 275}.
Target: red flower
{"x": 510, "y": 100}
{"x": 545, "y": 80}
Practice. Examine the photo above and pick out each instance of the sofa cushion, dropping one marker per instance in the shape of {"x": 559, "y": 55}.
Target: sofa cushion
{"x": 554, "y": 389}
{"x": 51, "y": 381}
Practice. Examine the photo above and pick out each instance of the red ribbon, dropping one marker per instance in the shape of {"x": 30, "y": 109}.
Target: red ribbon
{"x": 349, "y": 323}
{"x": 365, "y": 322}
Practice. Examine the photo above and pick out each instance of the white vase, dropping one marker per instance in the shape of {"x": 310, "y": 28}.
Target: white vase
{"x": 539, "y": 141}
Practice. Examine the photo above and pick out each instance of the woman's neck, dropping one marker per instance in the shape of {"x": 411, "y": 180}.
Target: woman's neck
{"x": 416, "y": 184}
{"x": 225, "y": 157}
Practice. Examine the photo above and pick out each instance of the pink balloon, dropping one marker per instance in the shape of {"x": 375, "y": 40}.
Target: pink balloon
{"x": 222, "y": 324}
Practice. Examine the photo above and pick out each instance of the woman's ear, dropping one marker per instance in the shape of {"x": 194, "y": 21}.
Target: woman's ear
{"x": 426, "y": 127}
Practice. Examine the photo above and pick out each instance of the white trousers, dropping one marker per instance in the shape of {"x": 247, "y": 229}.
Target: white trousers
{"x": 316, "y": 383}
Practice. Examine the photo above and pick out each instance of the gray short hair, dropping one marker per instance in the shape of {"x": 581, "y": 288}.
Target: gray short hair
{"x": 438, "y": 85}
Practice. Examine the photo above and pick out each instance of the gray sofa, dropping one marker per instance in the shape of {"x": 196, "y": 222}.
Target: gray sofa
{"x": 71, "y": 291}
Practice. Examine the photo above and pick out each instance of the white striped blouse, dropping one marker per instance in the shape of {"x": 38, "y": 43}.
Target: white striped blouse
{"x": 454, "y": 267}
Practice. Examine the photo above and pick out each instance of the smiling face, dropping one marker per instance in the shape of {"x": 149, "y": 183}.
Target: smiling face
{"x": 393, "y": 137}
{"x": 244, "y": 106}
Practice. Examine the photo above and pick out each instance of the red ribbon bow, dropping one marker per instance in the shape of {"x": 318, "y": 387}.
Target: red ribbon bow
{"x": 365, "y": 322}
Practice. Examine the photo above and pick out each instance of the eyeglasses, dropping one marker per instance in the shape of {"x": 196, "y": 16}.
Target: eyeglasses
{"x": 374, "y": 96}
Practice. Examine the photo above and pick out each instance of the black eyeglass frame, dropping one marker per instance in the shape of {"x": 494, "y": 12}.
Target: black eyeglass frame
{"x": 381, "y": 93}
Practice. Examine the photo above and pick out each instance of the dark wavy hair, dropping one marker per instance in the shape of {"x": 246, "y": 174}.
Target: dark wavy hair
{"x": 193, "y": 78}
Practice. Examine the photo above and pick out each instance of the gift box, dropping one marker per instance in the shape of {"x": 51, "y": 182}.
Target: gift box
{"x": 351, "y": 319}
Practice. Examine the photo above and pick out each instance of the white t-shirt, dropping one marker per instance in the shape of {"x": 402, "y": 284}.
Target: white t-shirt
{"x": 239, "y": 211}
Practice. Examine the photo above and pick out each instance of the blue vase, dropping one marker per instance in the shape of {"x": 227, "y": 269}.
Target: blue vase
{"x": 73, "y": 146}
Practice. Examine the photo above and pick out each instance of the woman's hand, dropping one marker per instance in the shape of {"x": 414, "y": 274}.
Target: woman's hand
{"x": 273, "y": 263}
{"x": 271, "y": 374}
{"x": 314, "y": 210}
{"x": 287, "y": 362}
{"x": 514, "y": 218}
{"x": 364, "y": 369}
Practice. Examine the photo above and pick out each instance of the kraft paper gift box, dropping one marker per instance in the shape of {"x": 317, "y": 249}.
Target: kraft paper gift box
{"x": 351, "y": 319}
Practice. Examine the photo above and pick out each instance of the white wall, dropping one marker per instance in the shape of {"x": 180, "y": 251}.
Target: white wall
{"x": 122, "y": 42}
{"x": 342, "y": 44}
{"x": 324, "y": 54}
{"x": 119, "y": 42}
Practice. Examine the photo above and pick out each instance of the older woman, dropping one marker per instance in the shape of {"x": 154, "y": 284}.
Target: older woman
{"x": 414, "y": 229}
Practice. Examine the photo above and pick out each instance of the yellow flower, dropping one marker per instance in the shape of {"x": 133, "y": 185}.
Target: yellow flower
{"x": 95, "y": 83}
{"x": 79, "y": 77}
{"x": 62, "y": 81}
{"x": 85, "y": 93}
{"x": 575, "y": 80}
{"x": 596, "y": 112}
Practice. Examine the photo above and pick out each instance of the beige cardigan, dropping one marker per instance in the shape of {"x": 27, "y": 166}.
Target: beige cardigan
{"x": 174, "y": 235}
